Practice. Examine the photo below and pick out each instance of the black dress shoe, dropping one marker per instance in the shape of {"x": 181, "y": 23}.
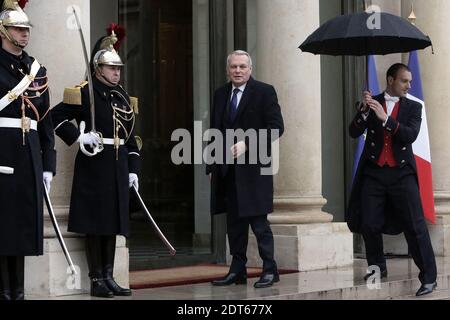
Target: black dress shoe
{"x": 115, "y": 288}
{"x": 19, "y": 295}
{"x": 230, "y": 279}
{"x": 426, "y": 289}
{"x": 100, "y": 289}
{"x": 267, "y": 280}
{"x": 5, "y": 295}
{"x": 383, "y": 274}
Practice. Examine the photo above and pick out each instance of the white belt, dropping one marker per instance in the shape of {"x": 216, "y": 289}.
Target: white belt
{"x": 109, "y": 141}
{"x": 16, "y": 123}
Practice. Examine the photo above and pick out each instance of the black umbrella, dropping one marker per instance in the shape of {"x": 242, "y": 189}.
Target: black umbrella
{"x": 351, "y": 35}
{"x": 354, "y": 35}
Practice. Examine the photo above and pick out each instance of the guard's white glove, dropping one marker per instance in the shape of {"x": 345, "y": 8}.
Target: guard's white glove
{"x": 92, "y": 139}
{"x": 238, "y": 149}
{"x": 133, "y": 180}
{"x": 47, "y": 178}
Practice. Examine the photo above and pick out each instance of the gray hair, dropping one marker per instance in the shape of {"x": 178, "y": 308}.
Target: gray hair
{"x": 240, "y": 53}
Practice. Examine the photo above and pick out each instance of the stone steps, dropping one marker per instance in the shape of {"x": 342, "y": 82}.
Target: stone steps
{"x": 436, "y": 295}
{"x": 389, "y": 289}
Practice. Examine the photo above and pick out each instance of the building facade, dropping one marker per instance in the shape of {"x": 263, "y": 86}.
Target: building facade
{"x": 175, "y": 53}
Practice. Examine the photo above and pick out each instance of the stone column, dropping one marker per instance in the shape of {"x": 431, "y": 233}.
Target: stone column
{"x": 53, "y": 28}
{"x": 434, "y": 20}
{"x": 305, "y": 237}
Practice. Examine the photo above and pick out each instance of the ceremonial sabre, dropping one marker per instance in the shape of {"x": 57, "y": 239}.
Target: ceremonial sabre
{"x": 99, "y": 148}
{"x": 57, "y": 230}
{"x": 155, "y": 226}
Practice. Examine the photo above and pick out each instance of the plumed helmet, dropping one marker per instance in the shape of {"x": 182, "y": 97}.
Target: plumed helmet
{"x": 105, "y": 50}
{"x": 12, "y": 14}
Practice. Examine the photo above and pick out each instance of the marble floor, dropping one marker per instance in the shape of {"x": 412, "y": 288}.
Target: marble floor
{"x": 341, "y": 283}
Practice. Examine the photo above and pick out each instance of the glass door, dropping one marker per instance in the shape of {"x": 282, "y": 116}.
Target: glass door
{"x": 166, "y": 54}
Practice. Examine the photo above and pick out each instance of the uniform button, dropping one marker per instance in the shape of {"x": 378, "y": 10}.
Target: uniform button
{"x": 372, "y": 131}
{"x": 373, "y": 157}
{"x": 404, "y": 148}
{"x": 372, "y": 144}
{"x": 12, "y": 66}
{"x": 403, "y": 161}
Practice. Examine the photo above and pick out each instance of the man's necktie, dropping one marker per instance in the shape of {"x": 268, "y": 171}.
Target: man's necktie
{"x": 233, "y": 104}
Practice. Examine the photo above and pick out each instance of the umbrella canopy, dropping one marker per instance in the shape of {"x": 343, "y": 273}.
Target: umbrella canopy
{"x": 350, "y": 35}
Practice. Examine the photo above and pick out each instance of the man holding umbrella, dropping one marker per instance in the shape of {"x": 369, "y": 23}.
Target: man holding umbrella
{"x": 385, "y": 196}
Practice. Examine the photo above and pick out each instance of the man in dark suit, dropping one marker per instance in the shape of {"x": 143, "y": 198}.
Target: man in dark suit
{"x": 385, "y": 195}
{"x": 240, "y": 187}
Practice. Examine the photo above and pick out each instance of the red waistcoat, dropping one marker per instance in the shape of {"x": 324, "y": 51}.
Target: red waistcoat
{"x": 387, "y": 154}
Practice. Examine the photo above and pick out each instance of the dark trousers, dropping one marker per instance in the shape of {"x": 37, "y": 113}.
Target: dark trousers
{"x": 399, "y": 188}
{"x": 12, "y": 275}
{"x": 237, "y": 230}
{"x": 100, "y": 252}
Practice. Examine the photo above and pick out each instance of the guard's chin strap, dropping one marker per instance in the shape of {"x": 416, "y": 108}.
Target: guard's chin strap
{"x": 8, "y": 36}
{"x": 111, "y": 83}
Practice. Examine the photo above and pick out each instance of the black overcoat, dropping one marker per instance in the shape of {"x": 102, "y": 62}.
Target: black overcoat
{"x": 21, "y": 193}
{"x": 99, "y": 202}
{"x": 258, "y": 109}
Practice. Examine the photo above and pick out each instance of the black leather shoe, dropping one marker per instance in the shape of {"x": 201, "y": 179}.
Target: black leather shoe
{"x": 382, "y": 275}
{"x": 267, "y": 280}
{"x": 100, "y": 289}
{"x": 230, "y": 279}
{"x": 5, "y": 295}
{"x": 116, "y": 289}
{"x": 19, "y": 295}
{"x": 426, "y": 289}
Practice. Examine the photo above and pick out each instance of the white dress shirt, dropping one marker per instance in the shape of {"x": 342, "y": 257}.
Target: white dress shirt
{"x": 390, "y": 104}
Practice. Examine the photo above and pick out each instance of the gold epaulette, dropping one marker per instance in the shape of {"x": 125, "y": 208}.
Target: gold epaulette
{"x": 83, "y": 84}
{"x": 134, "y": 104}
{"x": 72, "y": 95}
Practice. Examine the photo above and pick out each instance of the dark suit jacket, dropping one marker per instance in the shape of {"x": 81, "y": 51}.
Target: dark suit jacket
{"x": 258, "y": 109}
{"x": 404, "y": 132}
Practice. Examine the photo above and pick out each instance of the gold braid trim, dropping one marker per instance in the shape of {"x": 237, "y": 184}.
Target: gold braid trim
{"x": 72, "y": 95}
{"x": 134, "y": 104}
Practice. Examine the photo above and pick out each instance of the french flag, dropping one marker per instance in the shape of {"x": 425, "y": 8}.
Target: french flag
{"x": 374, "y": 88}
{"x": 421, "y": 146}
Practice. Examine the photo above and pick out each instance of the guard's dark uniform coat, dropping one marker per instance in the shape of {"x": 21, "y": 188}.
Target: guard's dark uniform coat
{"x": 100, "y": 194}
{"x": 21, "y": 193}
